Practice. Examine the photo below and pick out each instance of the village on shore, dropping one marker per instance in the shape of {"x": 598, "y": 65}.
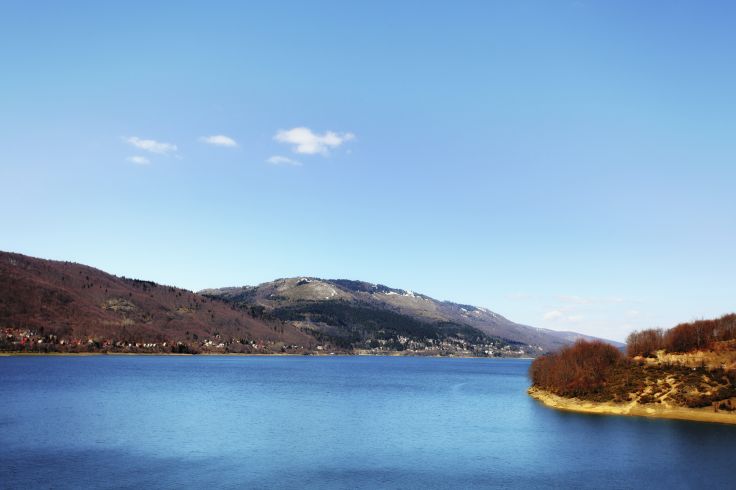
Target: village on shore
{"x": 18, "y": 340}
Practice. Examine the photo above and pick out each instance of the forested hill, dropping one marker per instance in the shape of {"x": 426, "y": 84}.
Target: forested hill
{"x": 362, "y": 314}
{"x": 51, "y": 305}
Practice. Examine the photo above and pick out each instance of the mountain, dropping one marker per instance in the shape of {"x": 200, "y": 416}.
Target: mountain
{"x": 50, "y": 305}
{"x": 347, "y": 313}
{"x": 63, "y": 305}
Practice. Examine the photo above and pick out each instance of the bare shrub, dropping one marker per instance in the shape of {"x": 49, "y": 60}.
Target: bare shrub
{"x": 580, "y": 369}
{"x": 645, "y": 343}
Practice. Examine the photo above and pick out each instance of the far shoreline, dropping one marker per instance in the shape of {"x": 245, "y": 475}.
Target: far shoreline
{"x": 630, "y": 409}
{"x": 240, "y": 354}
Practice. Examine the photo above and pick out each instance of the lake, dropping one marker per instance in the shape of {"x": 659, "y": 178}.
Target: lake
{"x": 326, "y": 422}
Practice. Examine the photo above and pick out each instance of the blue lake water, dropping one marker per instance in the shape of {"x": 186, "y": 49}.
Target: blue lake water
{"x": 327, "y": 422}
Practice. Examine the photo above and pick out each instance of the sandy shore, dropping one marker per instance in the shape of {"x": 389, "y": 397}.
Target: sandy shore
{"x": 632, "y": 409}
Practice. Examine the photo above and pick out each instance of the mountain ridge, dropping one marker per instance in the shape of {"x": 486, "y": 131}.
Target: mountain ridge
{"x": 49, "y": 305}
{"x": 285, "y": 292}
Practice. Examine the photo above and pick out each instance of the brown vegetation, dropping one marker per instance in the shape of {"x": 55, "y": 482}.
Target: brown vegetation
{"x": 597, "y": 372}
{"x": 645, "y": 343}
{"x": 580, "y": 369}
{"x": 697, "y": 372}
{"x": 686, "y": 337}
{"x": 50, "y": 305}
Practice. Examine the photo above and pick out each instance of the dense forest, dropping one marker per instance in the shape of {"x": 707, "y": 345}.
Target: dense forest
{"x": 356, "y": 325}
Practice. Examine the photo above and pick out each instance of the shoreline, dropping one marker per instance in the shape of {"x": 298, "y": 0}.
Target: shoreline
{"x": 632, "y": 409}
{"x": 238, "y": 354}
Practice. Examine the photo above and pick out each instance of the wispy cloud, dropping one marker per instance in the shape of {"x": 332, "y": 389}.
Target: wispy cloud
{"x": 219, "y": 140}
{"x": 583, "y": 300}
{"x": 279, "y": 160}
{"x": 307, "y": 142}
{"x": 577, "y": 300}
{"x": 139, "y": 160}
{"x": 553, "y": 315}
{"x": 563, "y": 315}
{"x": 152, "y": 146}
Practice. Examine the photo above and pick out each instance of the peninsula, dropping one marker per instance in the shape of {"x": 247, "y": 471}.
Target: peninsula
{"x": 687, "y": 372}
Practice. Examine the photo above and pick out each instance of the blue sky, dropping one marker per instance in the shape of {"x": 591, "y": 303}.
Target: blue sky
{"x": 570, "y": 165}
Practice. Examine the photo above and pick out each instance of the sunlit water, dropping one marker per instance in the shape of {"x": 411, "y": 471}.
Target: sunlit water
{"x": 335, "y": 422}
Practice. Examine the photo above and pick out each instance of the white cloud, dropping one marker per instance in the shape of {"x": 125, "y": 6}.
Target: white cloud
{"x": 219, "y": 140}
{"x": 563, "y": 315}
{"x": 553, "y": 315}
{"x": 279, "y": 160}
{"x": 581, "y": 300}
{"x": 151, "y": 145}
{"x": 309, "y": 143}
{"x": 139, "y": 160}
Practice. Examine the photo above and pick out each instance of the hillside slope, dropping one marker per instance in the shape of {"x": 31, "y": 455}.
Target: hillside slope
{"x": 65, "y": 303}
{"x": 295, "y": 298}
{"x": 61, "y": 306}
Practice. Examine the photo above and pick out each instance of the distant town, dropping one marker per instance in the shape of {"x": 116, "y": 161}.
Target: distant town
{"x": 36, "y": 341}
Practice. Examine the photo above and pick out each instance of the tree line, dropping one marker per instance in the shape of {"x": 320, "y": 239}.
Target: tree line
{"x": 685, "y": 337}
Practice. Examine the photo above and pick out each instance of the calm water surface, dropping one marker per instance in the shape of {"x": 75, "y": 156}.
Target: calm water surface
{"x": 337, "y": 422}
